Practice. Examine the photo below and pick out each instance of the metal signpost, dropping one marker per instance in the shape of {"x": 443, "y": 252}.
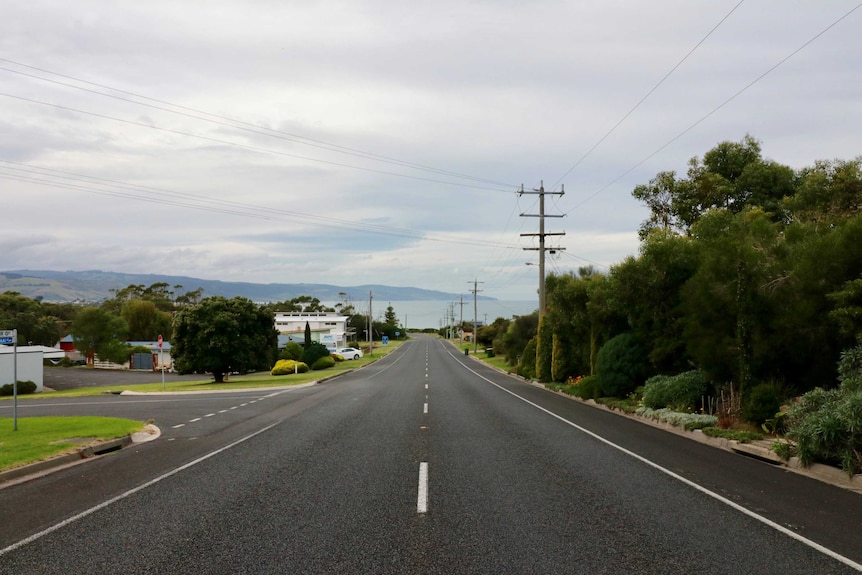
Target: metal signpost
{"x": 162, "y": 362}
{"x": 8, "y": 336}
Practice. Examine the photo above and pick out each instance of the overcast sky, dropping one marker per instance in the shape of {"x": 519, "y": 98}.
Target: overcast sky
{"x": 384, "y": 141}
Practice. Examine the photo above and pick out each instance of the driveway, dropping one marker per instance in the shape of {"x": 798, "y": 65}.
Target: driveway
{"x": 61, "y": 378}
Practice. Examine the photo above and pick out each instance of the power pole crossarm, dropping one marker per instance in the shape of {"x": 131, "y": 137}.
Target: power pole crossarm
{"x": 542, "y": 235}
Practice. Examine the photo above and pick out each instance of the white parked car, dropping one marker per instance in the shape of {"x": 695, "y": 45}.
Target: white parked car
{"x": 349, "y": 352}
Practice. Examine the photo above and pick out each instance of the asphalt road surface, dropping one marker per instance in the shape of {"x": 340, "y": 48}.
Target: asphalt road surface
{"x": 423, "y": 462}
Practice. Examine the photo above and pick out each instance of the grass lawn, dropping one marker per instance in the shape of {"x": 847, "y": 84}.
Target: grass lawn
{"x": 39, "y": 438}
{"x": 238, "y": 382}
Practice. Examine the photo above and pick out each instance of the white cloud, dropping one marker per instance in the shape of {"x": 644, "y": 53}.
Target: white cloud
{"x": 506, "y": 92}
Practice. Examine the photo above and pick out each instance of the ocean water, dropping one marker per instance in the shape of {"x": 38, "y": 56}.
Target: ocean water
{"x": 434, "y": 314}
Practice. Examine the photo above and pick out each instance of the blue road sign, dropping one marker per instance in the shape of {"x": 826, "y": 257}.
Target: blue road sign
{"x": 7, "y": 340}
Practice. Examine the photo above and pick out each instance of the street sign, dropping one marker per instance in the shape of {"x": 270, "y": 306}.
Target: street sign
{"x": 7, "y": 340}
{"x": 160, "y": 342}
{"x": 8, "y": 336}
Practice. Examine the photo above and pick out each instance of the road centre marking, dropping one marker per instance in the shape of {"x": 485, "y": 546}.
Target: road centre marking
{"x": 425, "y": 409}
{"x": 195, "y": 419}
{"x": 766, "y": 521}
{"x": 422, "y": 498}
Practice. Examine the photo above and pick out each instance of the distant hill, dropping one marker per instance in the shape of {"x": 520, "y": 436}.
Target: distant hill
{"x": 95, "y": 285}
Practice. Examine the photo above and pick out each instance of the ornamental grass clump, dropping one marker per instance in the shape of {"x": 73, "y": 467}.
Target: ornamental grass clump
{"x": 826, "y": 425}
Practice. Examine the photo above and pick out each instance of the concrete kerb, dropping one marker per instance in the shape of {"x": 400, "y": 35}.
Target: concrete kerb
{"x": 758, "y": 449}
{"x": 88, "y": 452}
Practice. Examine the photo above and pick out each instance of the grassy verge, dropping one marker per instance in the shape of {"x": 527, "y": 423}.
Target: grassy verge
{"x": 237, "y": 382}
{"x": 39, "y": 438}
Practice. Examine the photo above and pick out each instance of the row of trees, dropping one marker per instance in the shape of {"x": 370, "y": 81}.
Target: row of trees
{"x": 213, "y": 334}
{"x": 748, "y": 270}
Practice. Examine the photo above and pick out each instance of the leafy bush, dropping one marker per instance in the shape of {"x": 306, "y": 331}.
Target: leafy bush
{"x": 827, "y": 424}
{"x": 324, "y": 362}
{"x": 527, "y": 367}
{"x": 762, "y": 403}
{"x": 24, "y": 388}
{"x": 622, "y": 365}
{"x": 288, "y": 366}
{"x": 337, "y": 357}
{"x": 314, "y": 351}
{"x": 291, "y": 351}
{"x": 589, "y": 387}
{"x": 688, "y": 421}
{"x": 677, "y": 392}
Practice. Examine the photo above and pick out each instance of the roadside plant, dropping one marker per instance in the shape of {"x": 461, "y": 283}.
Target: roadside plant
{"x": 826, "y": 425}
{"x": 622, "y": 365}
{"x": 324, "y": 362}
{"x": 24, "y": 388}
{"x": 680, "y": 392}
{"x": 761, "y": 404}
{"x": 288, "y": 366}
{"x": 688, "y": 421}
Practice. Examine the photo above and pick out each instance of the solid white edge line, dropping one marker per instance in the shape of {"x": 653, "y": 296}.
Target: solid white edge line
{"x": 422, "y": 499}
{"x": 130, "y": 492}
{"x": 766, "y": 521}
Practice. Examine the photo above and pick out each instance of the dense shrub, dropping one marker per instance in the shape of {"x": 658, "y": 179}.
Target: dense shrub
{"x": 291, "y": 351}
{"x": 324, "y": 362}
{"x": 679, "y": 392}
{"x": 527, "y": 367}
{"x": 24, "y": 388}
{"x": 589, "y": 387}
{"x": 337, "y": 357}
{"x": 827, "y": 425}
{"x": 288, "y": 366}
{"x": 314, "y": 351}
{"x": 622, "y": 365}
{"x": 762, "y": 403}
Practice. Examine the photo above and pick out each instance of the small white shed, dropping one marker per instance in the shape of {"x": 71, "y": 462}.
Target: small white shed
{"x": 30, "y": 359}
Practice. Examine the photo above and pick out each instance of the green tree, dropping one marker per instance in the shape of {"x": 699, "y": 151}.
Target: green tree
{"x": 389, "y": 318}
{"x": 30, "y": 317}
{"x": 646, "y": 290}
{"x": 145, "y": 321}
{"x": 96, "y": 331}
{"x": 220, "y": 335}
{"x": 512, "y": 344}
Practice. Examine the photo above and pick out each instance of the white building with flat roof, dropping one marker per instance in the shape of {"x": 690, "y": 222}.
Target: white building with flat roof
{"x": 29, "y": 359}
{"x": 328, "y": 328}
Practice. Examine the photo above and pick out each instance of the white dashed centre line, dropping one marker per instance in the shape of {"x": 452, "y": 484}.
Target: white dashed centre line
{"x": 422, "y": 500}
{"x": 425, "y": 409}
{"x": 195, "y": 419}
{"x": 178, "y": 426}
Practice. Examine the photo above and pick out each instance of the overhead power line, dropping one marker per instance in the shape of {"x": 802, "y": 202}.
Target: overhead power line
{"x": 720, "y": 106}
{"x": 246, "y": 146}
{"x": 647, "y": 95}
{"x": 79, "y": 182}
{"x": 234, "y": 123}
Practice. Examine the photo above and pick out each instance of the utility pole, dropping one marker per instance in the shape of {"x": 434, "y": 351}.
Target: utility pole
{"x": 370, "y": 326}
{"x": 476, "y": 290}
{"x": 542, "y": 235}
